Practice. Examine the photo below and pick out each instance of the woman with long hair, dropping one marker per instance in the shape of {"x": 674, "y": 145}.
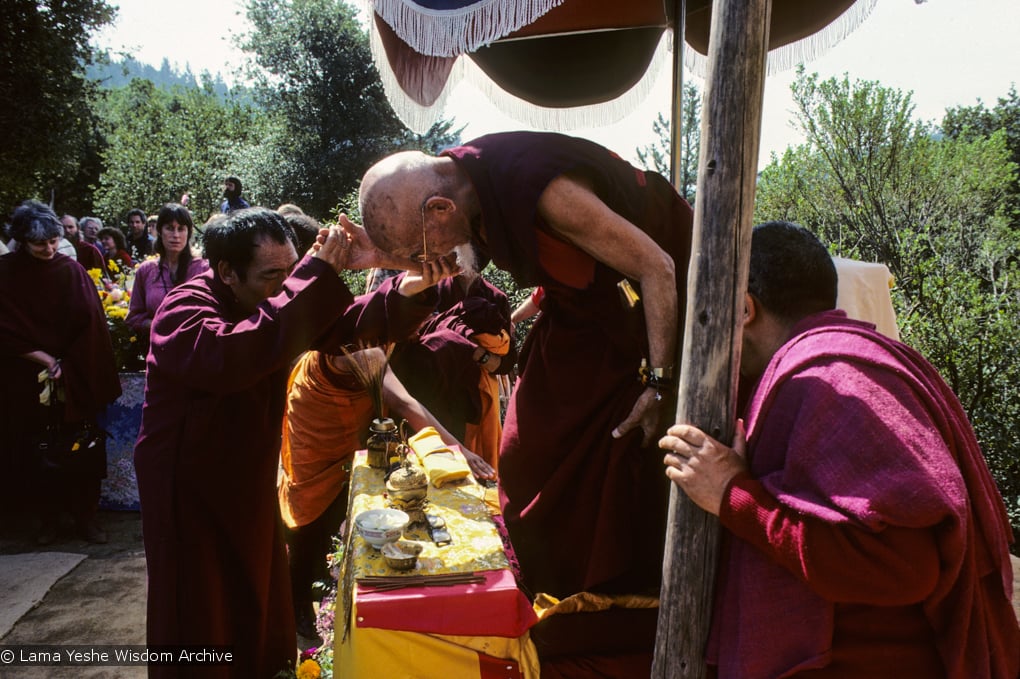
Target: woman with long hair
{"x": 176, "y": 262}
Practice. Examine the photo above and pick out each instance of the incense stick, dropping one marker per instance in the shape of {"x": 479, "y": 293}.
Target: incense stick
{"x": 370, "y": 370}
{"x": 385, "y": 583}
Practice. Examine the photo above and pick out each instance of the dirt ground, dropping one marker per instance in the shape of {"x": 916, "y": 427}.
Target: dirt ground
{"x": 101, "y": 601}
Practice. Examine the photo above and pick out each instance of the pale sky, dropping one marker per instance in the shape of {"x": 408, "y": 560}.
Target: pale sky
{"x": 947, "y": 52}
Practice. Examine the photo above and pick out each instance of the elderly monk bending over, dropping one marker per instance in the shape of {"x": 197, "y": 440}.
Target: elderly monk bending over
{"x": 208, "y": 452}
{"x": 577, "y": 463}
{"x": 864, "y": 535}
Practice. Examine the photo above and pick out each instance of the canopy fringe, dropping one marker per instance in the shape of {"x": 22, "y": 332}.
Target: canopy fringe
{"x": 447, "y": 33}
{"x": 801, "y": 51}
{"x": 420, "y": 119}
{"x": 576, "y": 117}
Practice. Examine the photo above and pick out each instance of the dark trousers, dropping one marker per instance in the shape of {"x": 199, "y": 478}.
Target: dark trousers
{"x": 308, "y": 546}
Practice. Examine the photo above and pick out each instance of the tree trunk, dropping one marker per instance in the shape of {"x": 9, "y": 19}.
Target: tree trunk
{"x": 717, "y": 280}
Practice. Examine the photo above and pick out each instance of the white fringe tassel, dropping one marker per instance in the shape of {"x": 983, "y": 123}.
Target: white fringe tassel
{"x": 801, "y": 51}
{"x": 447, "y": 33}
{"x": 420, "y": 118}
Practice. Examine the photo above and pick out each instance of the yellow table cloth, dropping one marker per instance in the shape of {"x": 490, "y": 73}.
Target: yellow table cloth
{"x": 406, "y": 633}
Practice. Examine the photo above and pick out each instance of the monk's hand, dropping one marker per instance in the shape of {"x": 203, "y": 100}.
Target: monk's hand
{"x": 364, "y": 253}
{"x": 54, "y": 371}
{"x": 644, "y": 414}
{"x": 334, "y": 248}
{"x": 427, "y": 274}
{"x": 486, "y": 360}
{"x": 701, "y": 466}
{"x": 479, "y": 467}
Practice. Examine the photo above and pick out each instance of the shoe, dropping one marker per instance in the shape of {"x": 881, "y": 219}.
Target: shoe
{"x": 94, "y": 534}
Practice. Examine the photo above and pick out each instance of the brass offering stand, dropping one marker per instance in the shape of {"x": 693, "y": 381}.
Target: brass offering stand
{"x": 407, "y": 488}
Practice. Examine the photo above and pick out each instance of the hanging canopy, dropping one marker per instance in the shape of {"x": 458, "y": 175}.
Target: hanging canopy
{"x": 559, "y": 64}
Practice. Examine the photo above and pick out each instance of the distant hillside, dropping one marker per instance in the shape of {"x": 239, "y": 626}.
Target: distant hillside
{"x": 118, "y": 73}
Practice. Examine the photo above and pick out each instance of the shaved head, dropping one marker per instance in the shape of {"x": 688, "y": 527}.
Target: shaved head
{"x": 402, "y": 190}
{"x": 391, "y": 197}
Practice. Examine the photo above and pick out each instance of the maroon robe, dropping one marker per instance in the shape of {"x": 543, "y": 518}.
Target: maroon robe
{"x": 208, "y": 453}
{"x": 869, "y": 519}
{"x": 437, "y": 366}
{"x": 89, "y": 256}
{"x": 53, "y": 306}
{"x": 570, "y": 492}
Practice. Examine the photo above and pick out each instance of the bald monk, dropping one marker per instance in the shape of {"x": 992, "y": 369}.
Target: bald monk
{"x": 583, "y": 499}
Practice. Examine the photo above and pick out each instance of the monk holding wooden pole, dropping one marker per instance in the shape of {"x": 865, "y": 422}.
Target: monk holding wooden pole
{"x": 730, "y": 132}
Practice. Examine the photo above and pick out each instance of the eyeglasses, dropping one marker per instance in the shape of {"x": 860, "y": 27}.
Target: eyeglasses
{"x": 424, "y": 256}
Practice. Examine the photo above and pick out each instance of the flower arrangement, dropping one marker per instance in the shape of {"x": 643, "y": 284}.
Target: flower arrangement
{"x": 308, "y": 669}
{"x": 317, "y": 663}
{"x": 115, "y": 294}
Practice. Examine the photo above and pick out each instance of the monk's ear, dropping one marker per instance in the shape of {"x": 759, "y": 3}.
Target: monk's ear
{"x": 440, "y": 208}
{"x": 752, "y": 307}
{"x": 226, "y": 272}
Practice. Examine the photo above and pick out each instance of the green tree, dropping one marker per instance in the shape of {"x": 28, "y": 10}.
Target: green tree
{"x": 658, "y": 156}
{"x": 162, "y": 144}
{"x": 978, "y": 121}
{"x": 880, "y": 186}
{"x": 328, "y": 115}
{"x": 48, "y": 146}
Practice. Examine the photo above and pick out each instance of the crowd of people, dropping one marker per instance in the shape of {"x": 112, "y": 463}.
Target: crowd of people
{"x": 854, "y": 502}
{"x": 54, "y": 326}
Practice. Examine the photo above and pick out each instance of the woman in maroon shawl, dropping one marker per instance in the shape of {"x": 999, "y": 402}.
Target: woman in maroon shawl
{"x": 859, "y": 509}
{"x": 52, "y": 324}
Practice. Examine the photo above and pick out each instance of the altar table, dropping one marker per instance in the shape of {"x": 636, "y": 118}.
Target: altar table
{"x": 465, "y": 630}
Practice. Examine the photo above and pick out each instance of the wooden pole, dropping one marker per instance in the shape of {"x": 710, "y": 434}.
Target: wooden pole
{"x": 717, "y": 280}
{"x": 675, "y": 133}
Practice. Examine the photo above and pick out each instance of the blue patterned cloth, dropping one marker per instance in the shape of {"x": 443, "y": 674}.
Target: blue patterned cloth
{"x": 122, "y": 421}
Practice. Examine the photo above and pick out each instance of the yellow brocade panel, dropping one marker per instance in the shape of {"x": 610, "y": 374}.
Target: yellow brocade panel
{"x": 476, "y": 543}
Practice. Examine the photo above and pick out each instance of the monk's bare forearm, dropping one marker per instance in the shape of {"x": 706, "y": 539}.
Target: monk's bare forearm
{"x": 658, "y": 295}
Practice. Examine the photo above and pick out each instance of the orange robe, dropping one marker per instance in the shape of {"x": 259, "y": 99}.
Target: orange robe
{"x": 328, "y": 413}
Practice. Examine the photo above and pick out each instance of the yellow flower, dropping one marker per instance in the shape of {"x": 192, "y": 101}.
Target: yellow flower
{"x": 96, "y": 275}
{"x": 309, "y": 669}
{"x": 116, "y": 312}
{"x": 112, "y": 267}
